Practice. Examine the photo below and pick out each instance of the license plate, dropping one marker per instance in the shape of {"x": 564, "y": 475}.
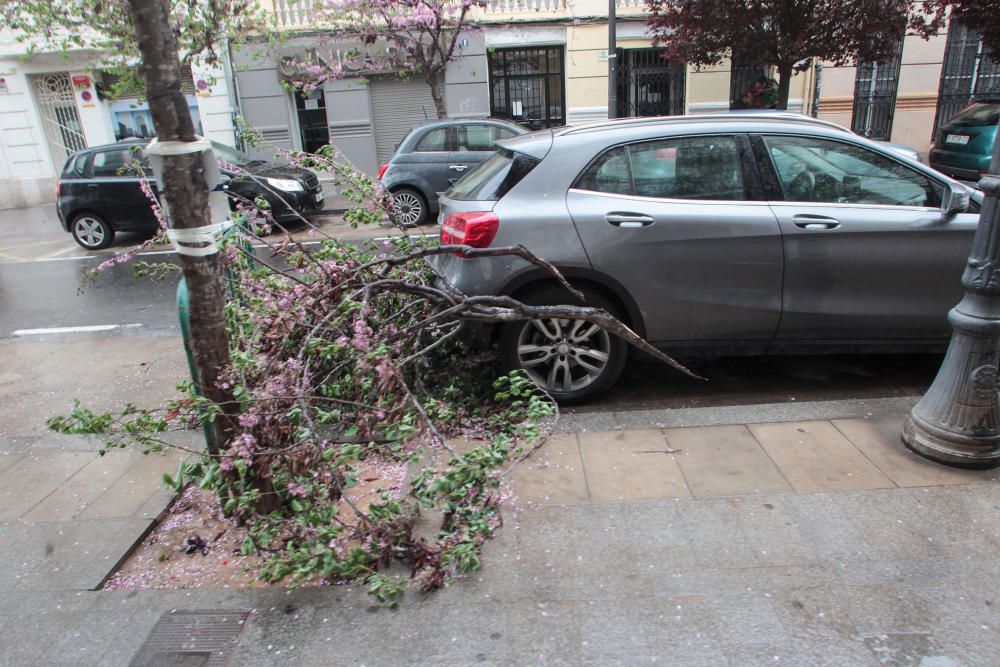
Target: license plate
{"x": 960, "y": 139}
{"x": 319, "y": 198}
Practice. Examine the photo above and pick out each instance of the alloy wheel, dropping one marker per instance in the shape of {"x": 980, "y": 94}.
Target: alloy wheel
{"x": 89, "y": 231}
{"x": 563, "y": 355}
{"x": 408, "y": 208}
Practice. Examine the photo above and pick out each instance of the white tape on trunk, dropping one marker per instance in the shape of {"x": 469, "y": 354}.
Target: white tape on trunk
{"x": 200, "y": 241}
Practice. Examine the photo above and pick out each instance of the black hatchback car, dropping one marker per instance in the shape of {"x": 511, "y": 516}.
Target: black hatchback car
{"x": 99, "y": 191}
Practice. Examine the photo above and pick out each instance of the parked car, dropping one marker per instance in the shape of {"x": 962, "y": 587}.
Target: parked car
{"x": 964, "y": 145}
{"x": 710, "y": 234}
{"x": 434, "y": 155}
{"x": 98, "y": 192}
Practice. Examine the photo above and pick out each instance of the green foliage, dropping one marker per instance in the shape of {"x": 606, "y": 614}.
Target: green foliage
{"x": 201, "y": 27}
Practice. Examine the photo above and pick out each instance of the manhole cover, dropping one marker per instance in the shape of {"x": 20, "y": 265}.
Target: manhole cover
{"x": 198, "y": 638}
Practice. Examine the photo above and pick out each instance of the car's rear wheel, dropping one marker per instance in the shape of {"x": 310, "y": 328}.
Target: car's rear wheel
{"x": 409, "y": 207}
{"x": 91, "y": 231}
{"x": 573, "y": 360}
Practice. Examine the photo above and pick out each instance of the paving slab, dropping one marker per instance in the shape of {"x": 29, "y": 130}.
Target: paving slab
{"x": 552, "y": 475}
{"x": 80, "y": 490}
{"x": 7, "y": 460}
{"x": 130, "y": 493}
{"x": 879, "y": 440}
{"x": 630, "y": 465}
{"x": 30, "y": 480}
{"x": 725, "y": 461}
{"x": 104, "y": 373}
{"x": 815, "y": 457}
{"x": 60, "y": 556}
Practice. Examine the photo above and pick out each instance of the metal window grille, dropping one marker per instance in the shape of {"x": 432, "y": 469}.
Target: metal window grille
{"x": 875, "y": 88}
{"x": 649, "y": 85}
{"x": 60, "y": 119}
{"x": 966, "y": 75}
{"x": 527, "y": 86}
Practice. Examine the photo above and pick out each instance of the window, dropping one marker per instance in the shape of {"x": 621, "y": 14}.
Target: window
{"x": 480, "y": 137}
{"x": 706, "y": 168}
{"x": 494, "y": 178}
{"x": 526, "y": 85}
{"x": 119, "y": 162}
{"x": 435, "y": 141}
{"x": 818, "y": 170}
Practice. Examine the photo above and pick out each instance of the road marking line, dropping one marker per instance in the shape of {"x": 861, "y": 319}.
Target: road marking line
{"x": 56, "y": 253}
{"x": 63, "y": 259}
{"x": 83, "y": 329}
{"x": 13, "y": 258}
{"x": 31, "y": 245}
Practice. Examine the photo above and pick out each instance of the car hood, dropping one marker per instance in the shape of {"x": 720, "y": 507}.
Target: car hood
{"x": 273, "y": 170}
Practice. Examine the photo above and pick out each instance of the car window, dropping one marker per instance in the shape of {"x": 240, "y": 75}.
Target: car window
{"x": 493, "y": 178}
{"x": 434, "y": 141}
{"x": 505, "y": 133}
{"x": 476, "y": 137}
{"x": 608, "y": 173}
{"x": 706, "y": 168}
{"x": 118, "y": 162}
{"x": 820, "y": 170}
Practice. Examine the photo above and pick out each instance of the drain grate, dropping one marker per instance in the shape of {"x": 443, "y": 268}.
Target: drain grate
{"x": 197, "y": 638}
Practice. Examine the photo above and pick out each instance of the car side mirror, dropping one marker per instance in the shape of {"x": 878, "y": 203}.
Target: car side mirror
{"x": 955, "y": 199}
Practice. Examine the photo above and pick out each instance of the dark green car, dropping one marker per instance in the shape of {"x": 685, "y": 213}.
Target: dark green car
{"x": 964, "y": 145}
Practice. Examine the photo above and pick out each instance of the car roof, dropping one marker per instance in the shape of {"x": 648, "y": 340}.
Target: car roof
{"x": 537, "y": 144}
{"x": 441, "y": 122}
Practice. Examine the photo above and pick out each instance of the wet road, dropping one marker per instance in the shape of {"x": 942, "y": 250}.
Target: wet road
{"x": 41, "y": 270}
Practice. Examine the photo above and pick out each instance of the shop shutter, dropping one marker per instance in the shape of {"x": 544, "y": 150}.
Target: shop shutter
{"x": 398, "y": 105}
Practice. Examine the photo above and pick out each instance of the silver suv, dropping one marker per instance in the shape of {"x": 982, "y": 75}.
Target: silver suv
{"x": 724, "y": 234}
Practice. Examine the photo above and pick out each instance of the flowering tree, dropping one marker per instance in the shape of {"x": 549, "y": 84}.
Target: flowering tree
{"x": 419, "y": 37}
{"x": 788, "y": 34}
{"x": 199, "y": 28}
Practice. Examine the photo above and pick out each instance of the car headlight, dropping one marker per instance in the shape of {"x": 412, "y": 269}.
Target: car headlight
{"x": 286, "y": 184}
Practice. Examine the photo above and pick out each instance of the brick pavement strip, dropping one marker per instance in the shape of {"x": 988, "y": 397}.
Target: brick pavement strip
{"x": 725, "y": 461}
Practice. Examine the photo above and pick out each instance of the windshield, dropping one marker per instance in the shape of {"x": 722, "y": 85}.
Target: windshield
{"x": 232, "y": 156}
{"x": 980, "y": 113}
{"x": 493, "y": 178}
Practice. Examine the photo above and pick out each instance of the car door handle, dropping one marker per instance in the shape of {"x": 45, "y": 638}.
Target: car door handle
{"x": 629, "y": 220}
{"x": 815, "y": 222}
{"x": 458, "y": 167}
{"x": 93, "y": 186}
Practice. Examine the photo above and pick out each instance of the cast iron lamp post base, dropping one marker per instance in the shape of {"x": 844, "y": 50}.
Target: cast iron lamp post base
{"x": 957, "y": 422}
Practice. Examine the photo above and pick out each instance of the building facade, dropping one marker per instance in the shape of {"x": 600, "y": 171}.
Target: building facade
{"x": 541, "y": 63}
{"x": 544, "y": 63}
{"x": 53, "y": 104}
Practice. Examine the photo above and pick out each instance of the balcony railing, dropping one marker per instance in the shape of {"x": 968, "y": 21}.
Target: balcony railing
{"x": 295, "y": 13}
{"x": 302, "y": 13}
{"x": 521, "y": 6}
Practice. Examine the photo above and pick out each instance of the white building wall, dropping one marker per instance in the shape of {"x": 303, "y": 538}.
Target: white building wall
{"x": 27, "y": 175}
{"x": 214, "y": 103}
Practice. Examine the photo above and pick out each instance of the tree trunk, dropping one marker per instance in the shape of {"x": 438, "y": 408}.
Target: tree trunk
{"x": 186, "y": 193}
{"x": 436, "y": 81}
{"x": 784, "y": 83}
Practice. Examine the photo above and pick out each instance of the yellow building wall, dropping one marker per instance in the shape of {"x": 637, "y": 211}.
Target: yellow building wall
{"x": 916, "y": 98}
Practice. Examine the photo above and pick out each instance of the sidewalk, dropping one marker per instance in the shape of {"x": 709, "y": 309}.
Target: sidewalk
{"x": 774, "y": 539}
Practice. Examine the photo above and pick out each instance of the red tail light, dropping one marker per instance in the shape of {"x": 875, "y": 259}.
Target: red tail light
{"x": 476, "y": 229}
{"x": 58, "y": 187}
{"x": 381, "y": 170}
